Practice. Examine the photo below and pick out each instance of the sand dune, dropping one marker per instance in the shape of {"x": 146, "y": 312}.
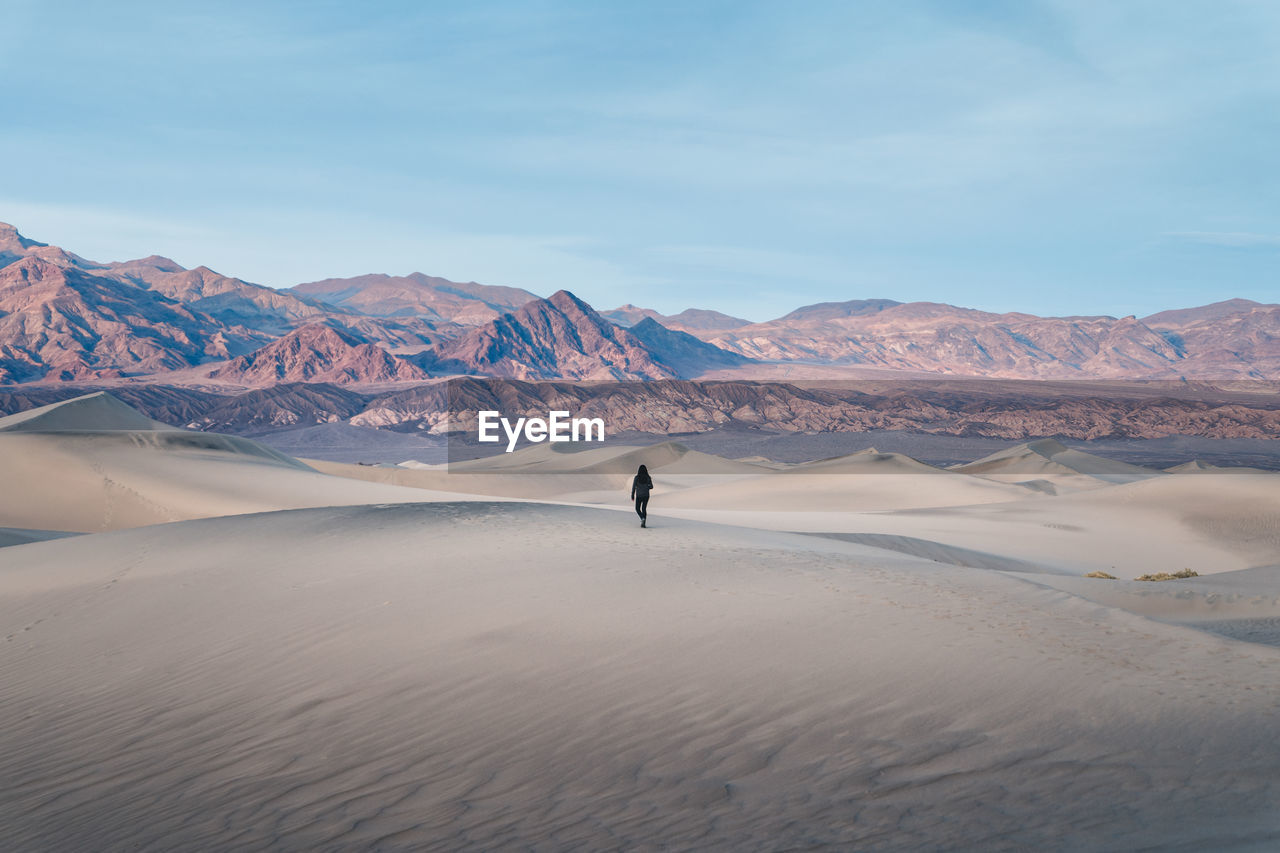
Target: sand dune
{"x": 867, "y": 480}
{"x": 260, "y": 681}
{"x": 1209, "y": 524}
{"x": 940, "y": 553}
{"x": 22, "y": 536}
{"x": 1152, "y": 523}
{"x": 596, "y": 475}
{"x": 1197, "y": 466}
{"x": 99, "y": 412}
{"x": 875, "y": 482}
{"x": 1052, "y": 461}
{"x": 478, "y": 482}
{"x": 78, "y": 475}
{"x": 668, "y": 456}
{"x": 869, "y": 461}
{"x": 1243, "y": 604}
{"x": 1245, "y": 594}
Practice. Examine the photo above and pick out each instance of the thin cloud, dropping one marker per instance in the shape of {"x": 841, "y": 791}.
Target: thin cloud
{"x": 1229, "y": 239}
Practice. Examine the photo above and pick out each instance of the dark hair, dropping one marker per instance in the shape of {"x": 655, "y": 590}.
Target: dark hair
{"x": 643, "y": 475}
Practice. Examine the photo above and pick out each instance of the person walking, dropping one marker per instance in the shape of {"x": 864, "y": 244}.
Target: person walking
{"x": 640, "y": 488}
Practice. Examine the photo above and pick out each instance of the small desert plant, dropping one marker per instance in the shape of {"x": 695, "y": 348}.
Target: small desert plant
{"x": 1101, "y": 575}
{"x": 1165, "y": 576}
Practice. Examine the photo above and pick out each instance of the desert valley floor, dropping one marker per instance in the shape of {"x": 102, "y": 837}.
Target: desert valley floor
{"x": 208, "y": 645}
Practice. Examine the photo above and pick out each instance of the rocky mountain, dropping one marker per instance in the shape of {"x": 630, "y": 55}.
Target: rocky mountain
{"x": 232, "y": 301}
{"x": 691, "y": 318}
{"x": 15, "y": 247}
{"x": 681, "y": 351}
{"x": 1181, "y": 318}
{"x": 703, "y": 320}
{"x": 401, "y": 335}
{"x": 58, "y": 321}
{"x": 318, "y": 353}
{"x": 558, "y": 337}
{"x": 628, "y": 315}
{"x": 66, "y": 318}
{"x": 936, "y": 338}
{"x": 974, "y": 408}
{"x": 1237, "y": 337}
{"x": 824, "y": 311}
{"x": 278, "y": 407}
{"x": 417, "y": 295}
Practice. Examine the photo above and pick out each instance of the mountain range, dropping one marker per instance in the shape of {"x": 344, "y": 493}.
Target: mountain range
{"x": 1004, "y": 409}
{"x": 1235, "y": 338}
{"x": 67, "y": 319}
{"x": 688, "y": 320}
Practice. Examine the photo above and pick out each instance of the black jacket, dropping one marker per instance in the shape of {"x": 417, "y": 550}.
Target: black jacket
{"x": 640, "y": 487}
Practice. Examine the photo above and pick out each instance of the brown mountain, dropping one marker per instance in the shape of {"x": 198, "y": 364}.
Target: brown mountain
{"x": 558, "y": 337}
{"x": 237, "y": 302}
{"x": 58, "y": 321}
{"x": 15, "y": 247}
{"x": 628, "y": 315}
{"x": 703, "y": 319}
{"x": 681, "y": 351}
{"x": 401, "y": 335}
{"x": 417, "y": 295}
{"x": 996, "y": 409}
{"x": 276, "y": 407}
{"x": 821, "y": 311}
{"x": 232, "y": 301}
{"x": 986, "y": 408}
{"x": 936, "y": 338}
{"x": 689, "y": 319}
{"x": 65, "y": 318}
{"x": 1237, "y": 337}
{"x": 1181, "y": 318}
{"x": 318, "y": 353}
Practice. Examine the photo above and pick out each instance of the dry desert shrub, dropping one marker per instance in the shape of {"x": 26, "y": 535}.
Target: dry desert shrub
{"x": 1101, "y": 575}
{"x": 1165, "y": 576}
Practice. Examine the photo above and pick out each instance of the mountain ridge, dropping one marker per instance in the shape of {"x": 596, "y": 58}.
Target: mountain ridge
{"x": 417, "y": 294}
{"x": 557, "y": 337}
{"x": 65, "y": 318}
{"x": 1011, "y": 411}
{"x": 318, "y": 353}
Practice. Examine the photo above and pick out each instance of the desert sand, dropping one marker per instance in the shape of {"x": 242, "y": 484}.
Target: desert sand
{"x": 245, "y": 651}
{"x": 94, "y": 464}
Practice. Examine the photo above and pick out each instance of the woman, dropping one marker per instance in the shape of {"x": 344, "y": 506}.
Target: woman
{"x": 640, "y": 488}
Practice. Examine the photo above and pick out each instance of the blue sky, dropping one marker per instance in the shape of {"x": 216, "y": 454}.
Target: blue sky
{"x": 1055, "y": 158}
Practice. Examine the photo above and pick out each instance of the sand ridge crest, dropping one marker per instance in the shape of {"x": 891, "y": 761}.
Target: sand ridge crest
{"x": 96, "y": 412}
